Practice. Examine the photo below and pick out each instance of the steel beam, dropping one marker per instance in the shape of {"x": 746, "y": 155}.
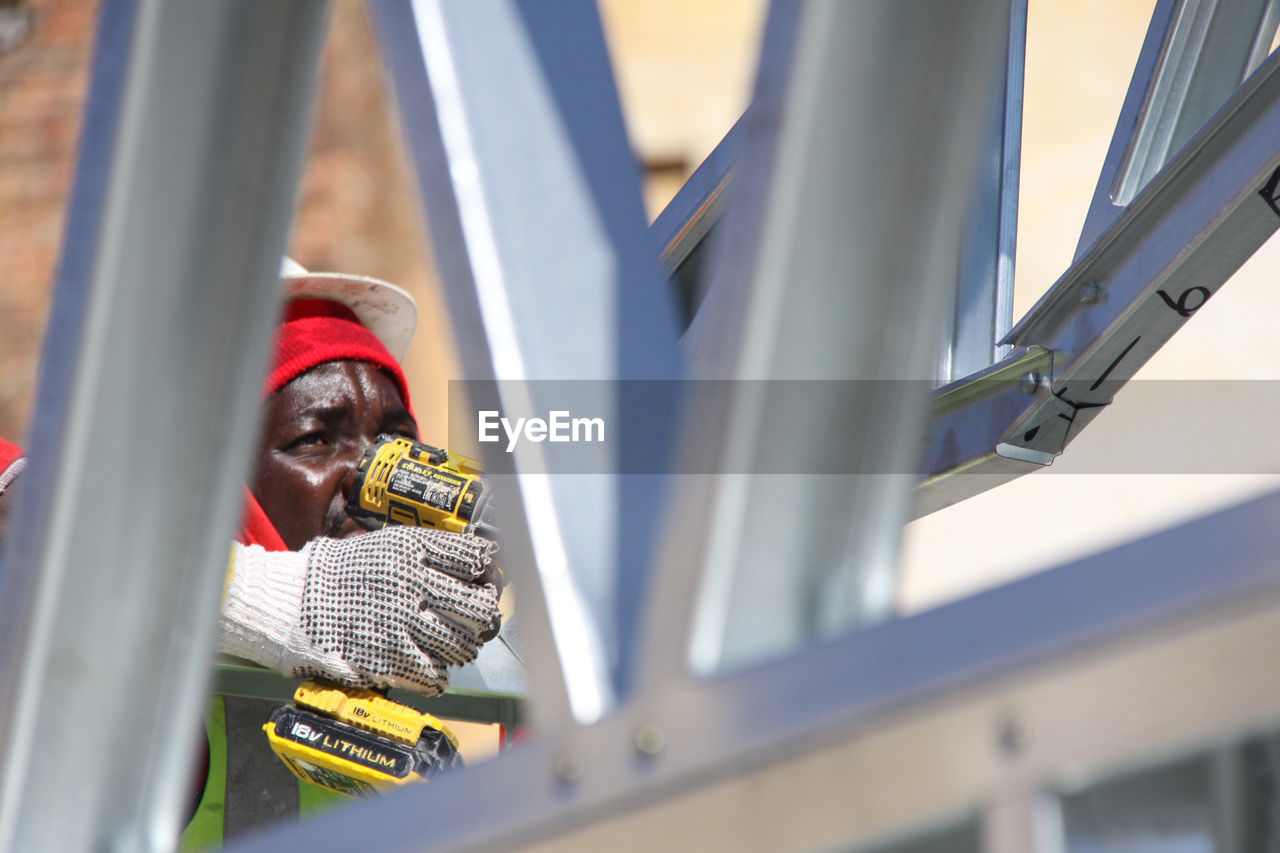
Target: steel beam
{"x": 713, "y": 339}
{"x": 711, "y": 343}
{"x": 152, "y": 373}
{"x": 533, "y": 198}
{"x": 981, "y": 311}
{"x": 1176, "y": 244}
{"x": 1110, "y": 662}
{"x": 864, "y": 186}
{"x": 1195, "y": 55}
{"x": 684, "y": 228}
{"x": 1022, "y": 822}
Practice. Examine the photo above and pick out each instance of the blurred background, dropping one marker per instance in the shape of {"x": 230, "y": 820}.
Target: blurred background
{"x": 684, "y": 72}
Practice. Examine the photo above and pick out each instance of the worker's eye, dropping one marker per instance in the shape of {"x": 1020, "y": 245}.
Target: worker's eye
{"x": 316, "y": 438}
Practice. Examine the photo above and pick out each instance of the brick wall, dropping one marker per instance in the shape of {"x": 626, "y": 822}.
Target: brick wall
{"x": 356, "y": 208}
{"x": 43, "y": 81}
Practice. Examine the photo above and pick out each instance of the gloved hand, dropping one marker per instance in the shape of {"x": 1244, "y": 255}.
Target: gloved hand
{"x": 391, "y": 608}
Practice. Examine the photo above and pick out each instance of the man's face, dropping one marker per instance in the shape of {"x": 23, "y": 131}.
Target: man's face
{"x": 318, "y": 427}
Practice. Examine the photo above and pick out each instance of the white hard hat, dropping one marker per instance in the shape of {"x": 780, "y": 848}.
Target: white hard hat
{"x": 382, "y": 308}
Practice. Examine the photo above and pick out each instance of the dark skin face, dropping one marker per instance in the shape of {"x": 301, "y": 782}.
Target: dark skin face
{"x": 318, "y": 427}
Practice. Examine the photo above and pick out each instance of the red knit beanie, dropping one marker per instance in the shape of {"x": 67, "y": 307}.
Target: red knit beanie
{"x": 9, "y": 453}
{"x": 318, "y": 330}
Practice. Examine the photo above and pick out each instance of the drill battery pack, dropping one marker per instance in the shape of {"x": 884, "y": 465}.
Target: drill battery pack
{"x": 358, "y": 742}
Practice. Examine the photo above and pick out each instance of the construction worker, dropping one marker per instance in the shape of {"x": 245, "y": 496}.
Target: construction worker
{"x": 335, "y": 384}
{"x": 309, "y": 592}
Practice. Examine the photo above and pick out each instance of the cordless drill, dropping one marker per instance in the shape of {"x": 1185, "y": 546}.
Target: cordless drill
{"x": 358, "y": 742}
{"x": 402, "y": 481}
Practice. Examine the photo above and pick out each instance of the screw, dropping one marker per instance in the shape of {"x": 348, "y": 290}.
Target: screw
{"x": 650, "y": 739}
{"x": 1030, "y": 383}
{"x": 567, "y": 767}
{"x": 1011, "y": 739}
{"x": 1090, "y": 293}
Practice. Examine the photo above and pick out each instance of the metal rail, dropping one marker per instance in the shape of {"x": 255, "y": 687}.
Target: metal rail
{"x": 166, "y": 296}
{"x": 549, "y": 275}
{"x": 685, "y": 697}
{"x": 1036, "y": 688}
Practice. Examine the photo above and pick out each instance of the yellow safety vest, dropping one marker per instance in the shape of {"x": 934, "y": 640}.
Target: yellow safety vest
{"x": 248, "y": 787}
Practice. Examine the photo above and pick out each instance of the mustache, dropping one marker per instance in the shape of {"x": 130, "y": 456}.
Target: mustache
{"x": 338, "y": 521}
{"x": 335, "y": 519}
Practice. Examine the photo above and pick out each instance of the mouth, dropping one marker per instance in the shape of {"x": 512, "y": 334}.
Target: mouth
{"x": 344, "y": 527}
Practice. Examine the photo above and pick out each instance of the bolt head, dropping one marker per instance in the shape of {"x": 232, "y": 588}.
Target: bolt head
{"x": 1011, "y": 736}
{"x": 650, "y": 739}
{"x": 567, "y": 767}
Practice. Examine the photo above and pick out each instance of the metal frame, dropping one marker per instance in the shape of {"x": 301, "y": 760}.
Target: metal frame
{"x": 1192, "y": 226}
{"x": 979, "y": 711}
{"x": 1196, "y": 54}
{"x": 1214, "y": 174}
{"x": 683, "y": 228}
{"x": 487, "y": 88}
{"x": 819, "y": 273}
{"x": 160, "y": 330}
{"x": 981, "y": 312}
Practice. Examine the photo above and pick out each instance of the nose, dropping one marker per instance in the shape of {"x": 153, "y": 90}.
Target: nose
{"x": 353, "y": 452}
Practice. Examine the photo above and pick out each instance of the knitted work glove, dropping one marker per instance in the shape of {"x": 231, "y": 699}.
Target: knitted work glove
{"x": 386, "y": 609}
{"x": 9, "y": 471}
{"x": 11, "y": 465}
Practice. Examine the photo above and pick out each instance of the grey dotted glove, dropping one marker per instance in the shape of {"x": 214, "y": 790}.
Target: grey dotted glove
{"x": 392, "y": 608}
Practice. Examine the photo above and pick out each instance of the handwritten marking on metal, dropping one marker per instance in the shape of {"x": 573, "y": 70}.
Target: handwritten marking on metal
{"x": 1182, "y": 305}
{"x": 1114, "y": 362}
{"x": 1268, "y": 192}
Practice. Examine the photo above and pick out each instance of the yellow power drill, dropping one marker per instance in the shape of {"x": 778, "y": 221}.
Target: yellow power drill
{"x": 402, "y": 481}
{"x": 358, "y": 742}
